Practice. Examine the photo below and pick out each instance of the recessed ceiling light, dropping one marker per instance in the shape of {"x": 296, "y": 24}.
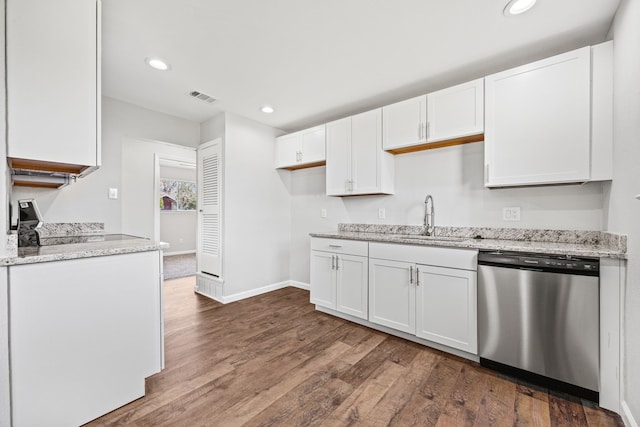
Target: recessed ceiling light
{"x": 268, "y": 109}
{"x": 157, "y": 63}
{"x": 516, "y": 7}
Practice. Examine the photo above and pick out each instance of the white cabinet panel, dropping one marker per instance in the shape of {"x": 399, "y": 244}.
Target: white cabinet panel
{"x": 538, "y": 122}
{"x": 352, "y": 282}
{"x": 53, "y": 81}
{"x": 305, "y": 148}
{"x": 287, "y": 150}
{"x": 404, "y": 123}
{"x": 366, "y": 143}
{"x": 338, "y": 157}
{"x": 313, "y": 145}
{"x": 456, "y": 111}
{"x": 446, "y": 301}
{"x": 323, "y": 289}
{"x": 339, "y": 275}
{"x": 84, "y": 335}
{"x": 356, "y": 163}
{"x": 392, "y": 295}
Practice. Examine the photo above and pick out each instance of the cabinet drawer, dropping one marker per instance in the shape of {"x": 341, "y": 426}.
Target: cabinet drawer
{"x": 466, "y": 259}
{"x": 351, "y": 247}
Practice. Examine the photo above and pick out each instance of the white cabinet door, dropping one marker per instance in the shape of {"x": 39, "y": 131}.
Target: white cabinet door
{"x": 53, "y": 81}
{"x": 287, "y": 150}
{"x": 456, "y": 111}
{"x": 312, "y": 145}
{"x": 538, "y": 122}
{"x": 404, "y": 123}
{"x": 338, "y": 157}
{"x": 352, "y": 282}
{"x": 323, "y": 281}
{"x": 366, "y": 146}
{"x": 84, "y": 335}
{"x": 392, "y": 294}
{"x": 446, "y": 301}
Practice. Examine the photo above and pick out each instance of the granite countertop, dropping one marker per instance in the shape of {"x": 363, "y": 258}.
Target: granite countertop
{"x": 559, "y": 242}
{"x": 78, "y": 242}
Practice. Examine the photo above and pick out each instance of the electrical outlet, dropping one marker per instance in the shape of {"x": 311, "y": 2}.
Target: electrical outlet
{"x": 323, "y": 213}
{"x": 113, "y": 193}
{"x": 381, "y": 213}
{"x": 511, "y": 214}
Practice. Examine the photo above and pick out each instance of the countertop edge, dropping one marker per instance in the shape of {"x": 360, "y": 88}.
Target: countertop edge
{"x": 485, "y": 244}
{"x": 127, "y": 247}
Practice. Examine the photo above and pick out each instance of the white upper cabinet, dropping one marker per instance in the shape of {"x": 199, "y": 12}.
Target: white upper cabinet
{"x": 538, "y": 121}
{"x": 53, "y": 83}
{"x": 356, "y": 163}
{"x": 301, "y": 149}
{"x": 454, "y": 114}
{"x": 405, "y": 123}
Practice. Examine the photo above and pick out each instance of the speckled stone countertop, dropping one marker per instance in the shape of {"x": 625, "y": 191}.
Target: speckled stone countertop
{"x": 559, "y": 242}
{"x": 89, "y": 241}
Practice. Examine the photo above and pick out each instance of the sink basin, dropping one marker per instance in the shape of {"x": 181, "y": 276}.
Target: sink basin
{"x": 433, "y": 238}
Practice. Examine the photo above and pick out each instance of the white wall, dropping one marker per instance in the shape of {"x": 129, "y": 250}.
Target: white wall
{"x": 454, "y": 177}
{"x": 257, "y": 214}
{"x": 5, "y": 407}
{"x": 140, "y": 208}
{"x": 623, "y": 209}
{"x": 178, "y": 228}
{"x": 87, "y": 200}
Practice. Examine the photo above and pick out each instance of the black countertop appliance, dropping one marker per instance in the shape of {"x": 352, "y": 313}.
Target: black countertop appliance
{"x": 28, "y": 221}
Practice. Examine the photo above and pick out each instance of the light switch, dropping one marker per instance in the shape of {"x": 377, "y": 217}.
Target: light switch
{"x": 323, "y": 213}
{"x": 113, "y": 193}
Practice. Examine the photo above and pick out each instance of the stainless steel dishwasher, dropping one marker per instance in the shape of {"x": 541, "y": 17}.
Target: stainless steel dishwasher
{"x": 538, "y": 318}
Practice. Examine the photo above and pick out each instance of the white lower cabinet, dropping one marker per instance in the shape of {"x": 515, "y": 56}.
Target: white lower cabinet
{"x": 339, "y": 276}
{"x": 446, "y": 307}
{"x": 84, "y": 335}
{"x": 425, "y": 291}
{"x": 392, "y": 294}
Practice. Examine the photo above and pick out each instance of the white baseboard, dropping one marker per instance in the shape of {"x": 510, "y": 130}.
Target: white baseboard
{"x": 179, "y": 253}
{"x": 254, "y": 292}
{"x": 627, "y": 416}
{"x": 263, "y": 290}
{"x": 300, "y": 285}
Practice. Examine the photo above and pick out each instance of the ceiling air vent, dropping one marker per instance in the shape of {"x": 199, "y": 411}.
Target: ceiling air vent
{"x": 202, "y": 97}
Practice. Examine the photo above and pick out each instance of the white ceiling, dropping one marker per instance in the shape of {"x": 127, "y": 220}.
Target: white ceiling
{"x": 318, "y": 60}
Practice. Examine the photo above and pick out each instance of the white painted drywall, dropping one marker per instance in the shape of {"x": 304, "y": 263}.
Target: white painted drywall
{"x": 138, "y": 184}
{"x": 454, "y": 177}
{"x": 5, "y": 397}
{"x": 623, "y": 214}
{"x": 87, "y": 199}
{"x": 257, "y": 212}
{"x": 178, "y": 228}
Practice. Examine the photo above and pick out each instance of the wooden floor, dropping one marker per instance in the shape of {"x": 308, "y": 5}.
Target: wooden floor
{"x": 272, "y": 360}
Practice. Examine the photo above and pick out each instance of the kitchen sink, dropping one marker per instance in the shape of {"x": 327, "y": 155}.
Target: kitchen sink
{"x": 433, "y": 238}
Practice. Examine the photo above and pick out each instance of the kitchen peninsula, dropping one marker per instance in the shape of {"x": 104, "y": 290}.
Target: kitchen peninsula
{"x": 85, "y": 323}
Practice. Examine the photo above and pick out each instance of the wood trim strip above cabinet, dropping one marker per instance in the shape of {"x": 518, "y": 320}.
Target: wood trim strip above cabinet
{"x": 305, "y": 166}
{"x": 439, "y": 144}
{"x": 44, "y": 166}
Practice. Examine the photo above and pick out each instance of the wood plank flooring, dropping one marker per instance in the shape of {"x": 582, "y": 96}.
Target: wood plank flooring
{"x": 272, "y": 360}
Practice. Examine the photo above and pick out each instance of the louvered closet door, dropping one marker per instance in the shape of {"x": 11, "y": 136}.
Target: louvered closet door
{"x": 210, "y": 208}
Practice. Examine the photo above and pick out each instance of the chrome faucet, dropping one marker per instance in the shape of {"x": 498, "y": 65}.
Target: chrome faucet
{"x": 429, "y": 215}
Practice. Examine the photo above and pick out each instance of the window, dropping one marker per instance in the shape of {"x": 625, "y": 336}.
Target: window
{"x": 177, "y": 195}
